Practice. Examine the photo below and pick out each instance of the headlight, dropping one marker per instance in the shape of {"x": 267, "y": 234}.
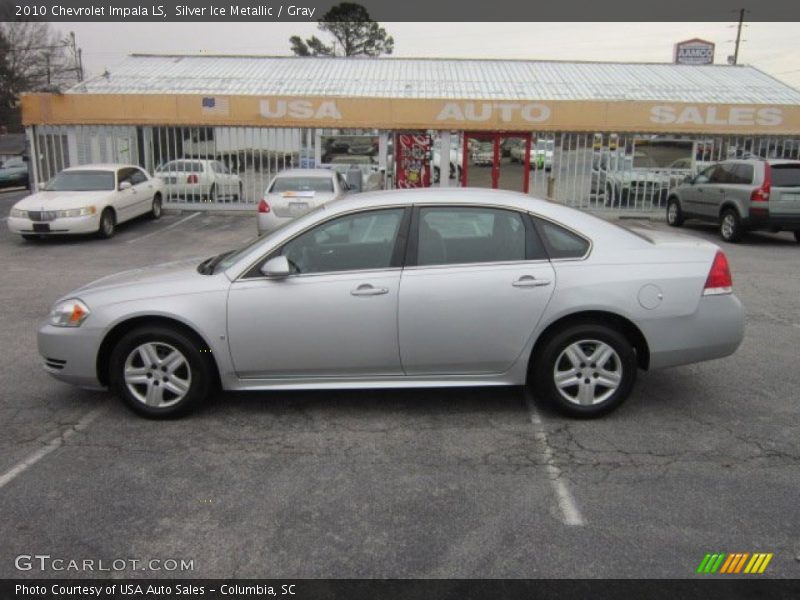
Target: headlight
{"x": 76, "y": 212}
{"x": 69, "y": 313}
{"x": 19, "y": 214}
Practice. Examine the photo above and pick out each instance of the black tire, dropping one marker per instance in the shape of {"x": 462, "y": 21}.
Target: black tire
{"x": 30, "y": 237}
{"x": 797, "y": 236}
{"x": 196, "y": 368}
{"x": 730, "y": 226}
{"x": 108, "y": 224}
{"x": 588, "y": 336}
{"x": 155, "y": 211}
{"x": 674, "y": 212}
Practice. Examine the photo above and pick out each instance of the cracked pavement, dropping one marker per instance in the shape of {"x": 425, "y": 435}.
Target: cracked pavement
{"x": 399, "y": 483}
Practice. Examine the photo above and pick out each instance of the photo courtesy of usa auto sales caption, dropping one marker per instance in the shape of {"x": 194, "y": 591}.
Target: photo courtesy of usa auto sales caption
{"x": 405, "y": 288}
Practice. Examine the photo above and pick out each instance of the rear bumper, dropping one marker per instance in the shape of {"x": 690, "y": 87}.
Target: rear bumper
{"x": 715, "y": 330}
{"x": 268, "y": 222}
{"x": 771, "y": 220}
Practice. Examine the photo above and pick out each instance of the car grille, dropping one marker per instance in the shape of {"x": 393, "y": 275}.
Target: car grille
{"x": 44, "y": 215}
{"x": 55, "y": 363}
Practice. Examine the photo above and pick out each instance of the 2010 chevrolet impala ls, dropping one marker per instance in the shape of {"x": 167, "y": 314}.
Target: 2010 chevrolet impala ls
{"x": 408, "y": 288}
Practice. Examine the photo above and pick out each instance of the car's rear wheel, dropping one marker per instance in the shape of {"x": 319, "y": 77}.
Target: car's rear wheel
{"x": 674, "y": 213}
{"x": 159, "y": 372}
{"x": 730, "y": 226}
{"x": 155, "y": 211}
{"x": 108, "y": 224}
{"x": 585, "y": 370}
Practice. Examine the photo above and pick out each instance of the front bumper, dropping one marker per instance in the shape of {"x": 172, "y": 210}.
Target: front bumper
{"x": 88, "y": 224}
{"x": 70, "y": 353}
{"x": 714, "y": 330}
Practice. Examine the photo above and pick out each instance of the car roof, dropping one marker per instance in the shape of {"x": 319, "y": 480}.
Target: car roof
{"x": 102, "y": 167}
{"x": 306, "y": 173}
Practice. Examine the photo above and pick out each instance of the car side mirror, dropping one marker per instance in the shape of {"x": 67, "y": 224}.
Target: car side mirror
{"x": 276, "y": 268}
{"x": 125, "y": 185}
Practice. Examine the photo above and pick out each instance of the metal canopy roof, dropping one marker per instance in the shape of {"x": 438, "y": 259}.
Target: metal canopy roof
{"x": 439, "y": 79}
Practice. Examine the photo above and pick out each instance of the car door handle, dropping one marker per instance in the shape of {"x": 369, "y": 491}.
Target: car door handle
{"x": 530, "y": 281}
{"x": 366, "y": 289}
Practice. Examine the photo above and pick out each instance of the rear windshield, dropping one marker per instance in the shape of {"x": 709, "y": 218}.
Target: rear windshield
{"x": 302, "y": 184}
{"x": 787, "y": 175}
{"x": 181, "y": 166}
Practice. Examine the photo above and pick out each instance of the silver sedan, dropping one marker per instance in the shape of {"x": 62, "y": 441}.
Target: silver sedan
{"x": 415, "y": 288}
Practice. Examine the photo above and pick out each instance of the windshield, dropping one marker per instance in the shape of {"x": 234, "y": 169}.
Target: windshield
{"x": 302, "y": 184}
{"x": 81, "y": 181}
{"x": 182, "y": 166}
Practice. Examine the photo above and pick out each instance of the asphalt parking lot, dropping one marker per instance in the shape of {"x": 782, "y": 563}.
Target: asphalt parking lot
{"x": 427, "y": 483}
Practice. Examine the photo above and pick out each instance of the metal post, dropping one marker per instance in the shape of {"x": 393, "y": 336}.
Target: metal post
{"x": 738, "y": 37}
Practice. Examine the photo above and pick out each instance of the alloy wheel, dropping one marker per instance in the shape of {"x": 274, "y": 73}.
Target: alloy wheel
{"x": 587, "y": 372}
{"x": 157, "y": 374}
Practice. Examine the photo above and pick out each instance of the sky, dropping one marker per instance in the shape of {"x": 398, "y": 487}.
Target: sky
{"x": 771, "y": 47}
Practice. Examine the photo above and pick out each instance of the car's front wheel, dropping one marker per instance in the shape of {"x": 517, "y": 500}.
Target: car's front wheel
{"x": 155, "y": 211}
{"x": 160, "y": 372}
{"x": 674, "y": 213}
{"x": 585, "y": 370}
{"x": 108, "y": 224}
{"x": 730, "y": 226}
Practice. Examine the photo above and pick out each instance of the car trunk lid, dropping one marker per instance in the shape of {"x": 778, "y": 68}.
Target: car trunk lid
{"x": 296, "y": 204}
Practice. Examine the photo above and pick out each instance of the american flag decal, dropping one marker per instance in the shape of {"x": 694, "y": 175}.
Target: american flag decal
{"x": 215, "y": 106}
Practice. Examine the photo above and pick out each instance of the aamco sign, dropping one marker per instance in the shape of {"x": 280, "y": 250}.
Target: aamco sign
{"x": 694, "y": 52}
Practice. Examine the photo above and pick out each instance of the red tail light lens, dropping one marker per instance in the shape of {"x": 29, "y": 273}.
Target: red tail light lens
{"x": 263, "y": 207}
{"x": 762, "y": 194}
{"x": 192, "y": 178}
{"x": 719, "y": 279}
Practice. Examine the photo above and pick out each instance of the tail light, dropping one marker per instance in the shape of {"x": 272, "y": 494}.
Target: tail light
{"x": 719, "y": 279}
{"x": 761, "y": 194}
{"x": 263, "y": 207}
{"x": 192, "y": 178}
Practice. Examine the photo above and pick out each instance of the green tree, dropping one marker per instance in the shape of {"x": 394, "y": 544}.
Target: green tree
{"x": 354, "y": 33}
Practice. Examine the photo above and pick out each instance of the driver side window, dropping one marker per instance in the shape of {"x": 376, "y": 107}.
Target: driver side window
{"x": 359, "y": 241}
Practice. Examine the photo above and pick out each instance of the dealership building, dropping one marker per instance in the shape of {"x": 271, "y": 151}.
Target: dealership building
{"x": 590, "y": 135}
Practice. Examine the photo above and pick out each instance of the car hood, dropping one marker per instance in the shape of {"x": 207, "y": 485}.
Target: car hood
{"x": 178, "y": 277}
{"x": 60, "y": 200}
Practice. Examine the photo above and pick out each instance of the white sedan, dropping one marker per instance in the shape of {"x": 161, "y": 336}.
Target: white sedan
{"x": 294, "y": 192}
{"x": 87, "y": 199}
{"x": 195, "y": 179}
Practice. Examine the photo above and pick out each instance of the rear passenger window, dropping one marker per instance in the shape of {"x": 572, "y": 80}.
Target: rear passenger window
{"x": 743, "y": 174}
{"x": 460, "y": 235}
{"x": 561, "y": 242}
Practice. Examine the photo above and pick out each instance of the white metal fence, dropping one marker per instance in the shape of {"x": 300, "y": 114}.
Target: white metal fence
{"x": 589, "y": 171}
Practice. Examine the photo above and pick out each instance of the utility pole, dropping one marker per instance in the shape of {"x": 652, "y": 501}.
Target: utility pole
{"x": 738, "y": 37}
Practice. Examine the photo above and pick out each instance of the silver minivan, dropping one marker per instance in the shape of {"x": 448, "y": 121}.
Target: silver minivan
{"x": 741, "y": 195}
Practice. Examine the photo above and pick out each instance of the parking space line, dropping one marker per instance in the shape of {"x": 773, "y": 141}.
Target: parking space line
{"x": 152, "y": 233}
{"x": 570, "y": 514}
{"x": 51, "y": 446}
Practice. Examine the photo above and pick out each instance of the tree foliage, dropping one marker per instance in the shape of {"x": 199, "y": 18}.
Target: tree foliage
{"x": 354, "y": 33}
{"x": 33, "y": 57}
